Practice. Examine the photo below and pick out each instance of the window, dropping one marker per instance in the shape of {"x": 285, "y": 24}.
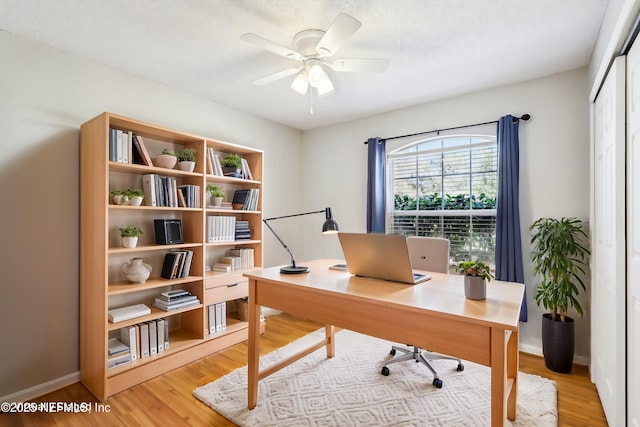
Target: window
{"x": 447, "y": 187}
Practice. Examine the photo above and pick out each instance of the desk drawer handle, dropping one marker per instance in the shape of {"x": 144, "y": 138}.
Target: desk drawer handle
{"x": 231, "y": 286}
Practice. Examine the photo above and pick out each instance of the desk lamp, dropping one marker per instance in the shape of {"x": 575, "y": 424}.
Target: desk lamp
{"x": 329, "y": 227}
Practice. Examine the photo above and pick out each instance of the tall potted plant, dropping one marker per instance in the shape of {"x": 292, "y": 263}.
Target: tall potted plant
{"x": 559, "y": 256}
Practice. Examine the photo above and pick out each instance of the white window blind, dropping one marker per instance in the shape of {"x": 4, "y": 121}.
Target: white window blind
{"x": 446, "y": 187}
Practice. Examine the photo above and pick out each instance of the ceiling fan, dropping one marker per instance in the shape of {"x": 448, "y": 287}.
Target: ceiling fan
{"x": 315, "y": 50}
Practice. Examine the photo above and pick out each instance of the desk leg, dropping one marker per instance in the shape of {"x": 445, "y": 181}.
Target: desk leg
{"x": 498, "y": 377}
{"x": 330, "y": 335}
{"x": 254, "y": 345}
{"x": 513, "y": 365}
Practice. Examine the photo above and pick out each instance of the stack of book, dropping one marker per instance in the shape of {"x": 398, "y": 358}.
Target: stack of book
{"x": 147, "y": 338}
{"x": 117, "y": 353}
{"x": 217, "y": 317}
{"x": 174, "y": 300}
{"x": 242, "y": 230}
{"x": 176, "y": 264}
{"x": 221, "y": 228}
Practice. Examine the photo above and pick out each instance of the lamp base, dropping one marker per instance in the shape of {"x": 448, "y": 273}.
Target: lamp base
{"x": 290, "y": 269}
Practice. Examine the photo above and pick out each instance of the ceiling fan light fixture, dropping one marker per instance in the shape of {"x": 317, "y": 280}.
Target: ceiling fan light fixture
{"x": 300, "y": 83}
{"x": 325, "y": 87}
{"x": 316, "y": 73}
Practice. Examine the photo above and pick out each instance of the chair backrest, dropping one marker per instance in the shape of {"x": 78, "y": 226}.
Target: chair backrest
{"x": 429, "y": 253}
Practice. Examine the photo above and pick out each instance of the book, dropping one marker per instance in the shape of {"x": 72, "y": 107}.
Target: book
{"x": 168, "y": 266}
{"x": 212, "y": 318}
{"x": 138, "y": 143}
{"x": 175, "y": 306}
{"x": 118, "y": 360}
{"x": 129, "y": 338}
{"x": 144, "y": 340}
{"x": 160, "y": 331}
{"x": 246, "y": 171}
{"x": 149, "y": 188}
{"x": 169, "y": 296}
{"x": 153, "y": 337}
{"x": 112, "y": 144}
{"x": 126, "y": 313}
{"x": 116, "y": 347}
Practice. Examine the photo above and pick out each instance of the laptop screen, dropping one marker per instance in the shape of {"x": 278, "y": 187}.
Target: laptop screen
{"x": 379, "y": 256}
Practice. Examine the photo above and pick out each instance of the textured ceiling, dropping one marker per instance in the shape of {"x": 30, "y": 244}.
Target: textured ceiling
{"x": 436, "y": 48}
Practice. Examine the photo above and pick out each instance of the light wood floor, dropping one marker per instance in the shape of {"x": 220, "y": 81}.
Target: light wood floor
{"x": 168, "y": 399}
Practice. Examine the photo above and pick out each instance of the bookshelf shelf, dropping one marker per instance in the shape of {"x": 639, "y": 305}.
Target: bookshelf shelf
{"x": 101, "y": 282}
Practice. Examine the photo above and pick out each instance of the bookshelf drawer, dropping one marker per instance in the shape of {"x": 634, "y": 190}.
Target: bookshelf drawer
{"x": 224, "y": 280}
{"x": 226, "y": 293}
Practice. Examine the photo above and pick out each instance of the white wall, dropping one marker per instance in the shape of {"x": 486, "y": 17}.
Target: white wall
{"x": 45, "y": 95}
{"x": 554, "y": 166}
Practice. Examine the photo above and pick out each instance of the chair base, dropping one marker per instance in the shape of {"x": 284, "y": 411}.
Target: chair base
{"x": 420, "y": 357}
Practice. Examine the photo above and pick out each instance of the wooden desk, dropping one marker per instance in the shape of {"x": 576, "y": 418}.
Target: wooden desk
{"x": 434, "y": 315}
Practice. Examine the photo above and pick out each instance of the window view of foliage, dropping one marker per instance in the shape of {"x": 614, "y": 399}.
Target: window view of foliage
{"x": 433, "y": 189}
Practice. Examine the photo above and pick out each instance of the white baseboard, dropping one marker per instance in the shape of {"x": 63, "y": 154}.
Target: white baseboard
{"x": 537, "y": 351}
{"x": 41, "y": 389}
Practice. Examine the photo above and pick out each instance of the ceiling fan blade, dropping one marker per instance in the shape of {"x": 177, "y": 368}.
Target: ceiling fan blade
{"x": 343, "y": 27}
{"x": 363, "y": 65}
{"x": 276, "y": 76}
{"x": 259, "y": 41}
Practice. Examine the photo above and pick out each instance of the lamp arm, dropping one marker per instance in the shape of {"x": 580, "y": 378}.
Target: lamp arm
{"x": 291, "y": 216}
{"x": 293, "y": 261}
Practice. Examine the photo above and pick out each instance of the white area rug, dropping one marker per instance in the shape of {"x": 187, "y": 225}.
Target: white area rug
{"x": 348, "y": 390}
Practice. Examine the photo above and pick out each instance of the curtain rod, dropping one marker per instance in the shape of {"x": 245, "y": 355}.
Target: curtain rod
{"x": 524, "y": 117}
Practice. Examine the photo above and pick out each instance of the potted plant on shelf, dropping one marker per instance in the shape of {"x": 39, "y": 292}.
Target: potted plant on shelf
{"x": 118, "y": 197}
{"x": 130, "y": 236}
{"x": 559, "y": 256}
{"x": 476, "y": 276}
{"x": 216, "y": 193}
{"x": 167, "y": 159}
{"x": 232, "y": 165}
{"x": 186, "y": 159}
{"x": 134, "y": 196}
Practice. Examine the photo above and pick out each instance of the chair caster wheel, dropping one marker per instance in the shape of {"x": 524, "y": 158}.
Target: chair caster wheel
{"x": 393, "y": 352}
{"x": 460, "y": 367}
{"x": 437, "y": 383}
{"x": 385, "y": 371}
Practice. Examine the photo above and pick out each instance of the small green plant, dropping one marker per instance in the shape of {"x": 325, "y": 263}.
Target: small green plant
{"x": 133, "y": 193}
{"x": 475, "y": 268}
{"x": 114, "y": 193}
{"x": 186, "y": 154}
{"x": 232, "y": 161}
{"x": 130, "y": 231}
{"x": 168, "y": 152}
{"x": 215, "y": 191}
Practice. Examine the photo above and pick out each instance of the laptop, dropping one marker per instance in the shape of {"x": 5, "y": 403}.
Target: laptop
{"x": 379, "y": 256}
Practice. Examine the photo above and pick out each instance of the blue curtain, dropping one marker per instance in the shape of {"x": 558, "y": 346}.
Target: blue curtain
{"x": 376, "y": 185}
{"x": 508, "y": 240}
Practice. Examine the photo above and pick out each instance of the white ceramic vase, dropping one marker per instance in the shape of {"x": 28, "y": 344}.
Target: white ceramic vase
{"x": 130, "y": 242}
{"x": 135, "y": 201}
{"x": 136, "y": 271}
{"x": 186, "y": 166}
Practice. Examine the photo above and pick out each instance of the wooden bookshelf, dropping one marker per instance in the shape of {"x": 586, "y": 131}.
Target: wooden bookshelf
{"x": 102, "y": 284}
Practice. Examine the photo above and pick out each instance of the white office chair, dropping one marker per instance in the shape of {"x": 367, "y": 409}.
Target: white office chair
{"x": 430, "y": 254}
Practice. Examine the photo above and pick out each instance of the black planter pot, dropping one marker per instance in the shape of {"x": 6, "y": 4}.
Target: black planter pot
{"x": 557, "y": 343}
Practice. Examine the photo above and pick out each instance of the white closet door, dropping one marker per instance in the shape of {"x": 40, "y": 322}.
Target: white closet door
{"x": 633, "y": 235}
{"x": 608, "y": 246}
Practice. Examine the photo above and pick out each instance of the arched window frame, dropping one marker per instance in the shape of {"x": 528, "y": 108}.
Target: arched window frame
{"x": 465, "y": 217}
